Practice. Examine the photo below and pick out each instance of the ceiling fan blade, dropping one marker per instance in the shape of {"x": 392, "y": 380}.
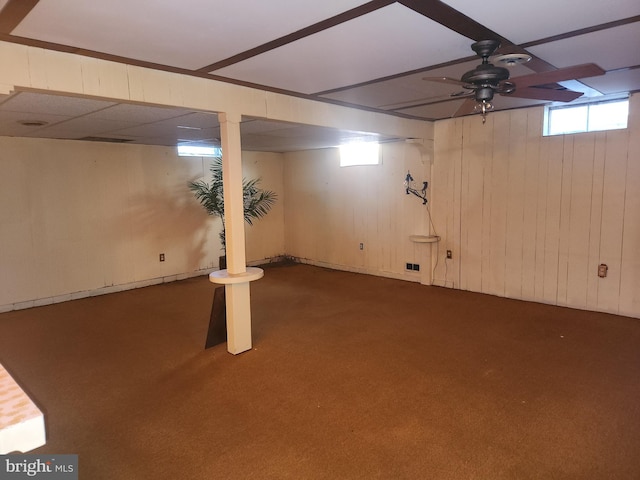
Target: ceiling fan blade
{"x": 568, "y": 73}
{"x": 445, "y": 80}
{"x": 544, "y": 94}
{"x": 466, "y": 108}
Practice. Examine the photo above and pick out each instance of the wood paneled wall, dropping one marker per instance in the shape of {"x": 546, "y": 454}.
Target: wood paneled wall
{"x": 82, "y": 218}
{"x": 330, "y": 210}
{"x": 532, "y": 217}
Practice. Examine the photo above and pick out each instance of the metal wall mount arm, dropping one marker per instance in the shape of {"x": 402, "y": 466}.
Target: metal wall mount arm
{"x": 422, "y": 194}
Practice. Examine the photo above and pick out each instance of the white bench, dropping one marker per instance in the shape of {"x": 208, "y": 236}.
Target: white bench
{"x": 21, "y": 422}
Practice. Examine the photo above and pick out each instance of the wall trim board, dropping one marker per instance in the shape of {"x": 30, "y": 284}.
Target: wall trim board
{"x": 41, "y": 302}
{"x": 409, "y": 277}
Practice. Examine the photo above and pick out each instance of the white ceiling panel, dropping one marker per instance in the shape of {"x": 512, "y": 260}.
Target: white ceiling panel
{"x": 53, "y": 104}
{"x": 615, "y": 82}
{"x": 528, "y": 21}
{"x": 611, "y": 49}
{"x": 11, "y": 123}
{"x": 375, "y": 45}
{"x": 80, "y": 127}
{"x": 138, "y": 113}
{"x": 187, "y": 33}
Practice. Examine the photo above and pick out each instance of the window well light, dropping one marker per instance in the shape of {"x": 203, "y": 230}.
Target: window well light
{"x": 359, "y": 153}
{"x": 199, "y": 151}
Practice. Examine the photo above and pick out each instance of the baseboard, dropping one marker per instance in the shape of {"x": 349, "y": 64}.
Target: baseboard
{"x": 364, "y": 270}
{"x": 183, "y": 276}
{"x": 40, "y": 302}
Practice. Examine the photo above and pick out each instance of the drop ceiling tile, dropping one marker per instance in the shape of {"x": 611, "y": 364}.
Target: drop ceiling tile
{"x": 10, "y": 122}
{"x": 79, "y": 127}
{"x": 390, "y": 40}
{"x": 620, "y": 81}
{"x": 138, "y": 113}
{"x": 40, "y": 103}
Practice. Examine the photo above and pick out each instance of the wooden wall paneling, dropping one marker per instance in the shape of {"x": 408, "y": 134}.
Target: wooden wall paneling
{"x": 499, "y": 188}
{"x": 613, "y": 208}
{"x": 541, "y": 195}
{"x": 565, "y": 217}
{"x": 384, "y": 216}
{"x": 364, "y": 211}
{"x": 344, "y": 215}
{"x": 475, "y": 139}
{"x": 464, "y": 257}
{"x": 516, "y": 161}
{"x": 415, "y": 212}
{"x": 552, "y": 215}
{"x": 265, "y": 239}
{"x": 407, "y": 215}
{"x": 18, "y": 189}
{"x": 370, "y": 187}
{"x": 400, "y": 209}
{"x": 445, "y": 153}
{"x": 455, "y": 219}
{"x": 630, "y": 268}
{"x": 321, "y": 178}
{"x": 580, "y": 220}
{"x": 116, "y": 258}
{"x": 296, "y": 215}
{"x": 62, "y": 254}
{"x": 595, "y": 223}
{"x": 487, "y": 202}
{"x": 531, "y": 206}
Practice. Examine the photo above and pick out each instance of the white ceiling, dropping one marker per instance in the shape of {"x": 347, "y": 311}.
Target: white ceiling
{"x": 366, "y": 54}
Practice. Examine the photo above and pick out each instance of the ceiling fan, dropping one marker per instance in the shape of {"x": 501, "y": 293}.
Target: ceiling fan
{"x": 484, "y": 81}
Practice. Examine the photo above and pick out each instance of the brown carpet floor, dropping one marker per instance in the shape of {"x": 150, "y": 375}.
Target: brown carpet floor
{"x": 351, "y": 377}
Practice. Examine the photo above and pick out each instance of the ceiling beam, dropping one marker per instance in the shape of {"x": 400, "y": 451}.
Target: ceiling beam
{"x": 452, "y": 19}
{"x": 14, "y": 12}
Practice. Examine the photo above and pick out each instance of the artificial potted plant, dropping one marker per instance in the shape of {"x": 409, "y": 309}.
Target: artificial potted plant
{"x": 256, "y": 202}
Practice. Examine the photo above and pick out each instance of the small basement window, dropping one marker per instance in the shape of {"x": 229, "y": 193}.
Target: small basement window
{"x": 359, "y": 153}
{"x": 199, "y": 151}
{"x": 586, "y": 117}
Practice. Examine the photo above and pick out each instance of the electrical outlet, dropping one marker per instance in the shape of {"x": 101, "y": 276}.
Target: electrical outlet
{"x": 409, "y": 266}
{"x": 362, "y": 246}
{"x": 416, "y": 267}
{"x": 602, "y": 270}
{"x": 449, "y": 254}
{"x": 162, "y": 257}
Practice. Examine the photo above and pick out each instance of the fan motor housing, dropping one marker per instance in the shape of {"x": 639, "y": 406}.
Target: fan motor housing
{"x": 486, "y": 73}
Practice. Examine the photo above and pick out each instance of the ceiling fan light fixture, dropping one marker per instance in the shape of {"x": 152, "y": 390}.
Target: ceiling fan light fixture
{"x": 483, "y": 108}
{"x": 512, "y": 59}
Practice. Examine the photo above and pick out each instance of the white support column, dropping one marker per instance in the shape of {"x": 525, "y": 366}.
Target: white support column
{"x": 236, "y": 294}
{"x": 232, "y": 177}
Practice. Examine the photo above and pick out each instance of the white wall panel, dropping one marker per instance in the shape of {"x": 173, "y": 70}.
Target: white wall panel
{"x": 532, "y": 217}
{"x": 80, "y": 217}
{"x": 331, "y": 210}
